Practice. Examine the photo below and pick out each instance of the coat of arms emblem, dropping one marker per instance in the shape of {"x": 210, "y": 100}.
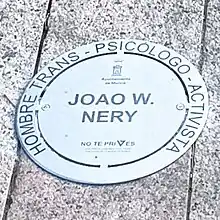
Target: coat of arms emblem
{"x": 117, "y": 68}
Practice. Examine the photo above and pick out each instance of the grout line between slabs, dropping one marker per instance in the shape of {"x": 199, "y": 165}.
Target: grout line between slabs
{"x": 204, "y": 26}
{"x": 12, "y": 181}
{"x": 11, "y": 184}
{"x": 193, "y": 149}
{"x": 10, "y": 102}
{"x": 190, "y": 183}
{"x": 43, "y": 37}
{"x": 7, "y": 189}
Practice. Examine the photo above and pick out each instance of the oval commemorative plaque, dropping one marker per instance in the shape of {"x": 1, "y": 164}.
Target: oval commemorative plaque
{"x": 112, "y": 111}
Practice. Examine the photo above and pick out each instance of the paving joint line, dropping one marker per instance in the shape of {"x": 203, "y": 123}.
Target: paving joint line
{"x": 16, "y": 168}
{"x": 204, "y": 27}
{"x": 11, "y": 184}
{"x": 190, "y": 183}
{"x": 9, "y": 100}
{"x": 193, "y": 149}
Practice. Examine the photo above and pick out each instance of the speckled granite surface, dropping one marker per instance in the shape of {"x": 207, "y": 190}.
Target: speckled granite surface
{"x": 206, "y": 196}
{"x": 6, "y": 164}
{"x": 20, "y": 29}
{"x": 176, "y": 24}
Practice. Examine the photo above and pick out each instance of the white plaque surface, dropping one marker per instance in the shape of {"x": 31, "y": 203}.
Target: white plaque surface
{"x": 112, "y": 112}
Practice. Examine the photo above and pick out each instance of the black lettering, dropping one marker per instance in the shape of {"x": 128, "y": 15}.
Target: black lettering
{"x": 121, "y": 45}
{"x": 85, "y": 114}
{"x": 35, "y": 85}
{"x": 24, "y": 108}
{"x": 174, "y": 148}
{"x": 25, "y": 118}
{"x": 87, "y": 95}
{"x": 99, "y": 47}
{"x": 130, "y": 115}
{"x": 190, "y": 126}
{"x": 126, "y": 45}
{"x": 186, "y": 132}
{"x": 73, "y": 56}
{"x": 163, "y": 55}
{"x": 37, "y": 150}
{"x": 197, "y": 95}
{"x": 152, "y": 51}
{"x": 43, "y": 76}
{"x": 101, "y": 116}
{"x": 29, "y": 128}
{"x": 174, "y": 61}
{"x": 193, "y": 120}
{"x": 120, "y": 102}
{"x": 116, "y": 114}
{"x": 29, "y": 99}
{"x": 75, "y": 101}
{"x": 102, "y": 98}
{"x": 112, "y": 44}
{"x": 185, "y": 143}
{"x": 63, "y": 62}
{"x": 184, "y": 69}
{"x": 120, "y": 143}
{"x": 144, "y": 50}
{"x": 196, "y": 113}
{"x": 52, "y": 69}
{"x": 199, "y": 106}
{"x": 194, "y": 88}
{"x": 30, "y": 140}
{"x": 145, "y": 100}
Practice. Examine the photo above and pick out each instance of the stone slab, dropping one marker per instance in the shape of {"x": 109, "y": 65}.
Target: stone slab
{"x": 6, "y": 168}
{"x": 176, "y": 24}
{"x": 8, "y": 146}
{"x": 206, "y": 192}
{"x": 20, "y": 31}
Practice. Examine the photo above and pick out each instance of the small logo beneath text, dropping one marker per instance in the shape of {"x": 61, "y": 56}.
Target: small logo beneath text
{"x": 117, "y": 68}
{"x": 116, "y": 75}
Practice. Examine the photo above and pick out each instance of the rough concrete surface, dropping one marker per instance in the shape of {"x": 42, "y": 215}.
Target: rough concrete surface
{"x": 206, "y": 184}
{"x": 20, "y": 29}
{"x": 176, "y": 24}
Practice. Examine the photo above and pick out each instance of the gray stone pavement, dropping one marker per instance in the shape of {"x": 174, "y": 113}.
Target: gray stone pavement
{"x": 20, "y": 30}
{"x": 206, "y": 184}
{"x": 177, "y": 24}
